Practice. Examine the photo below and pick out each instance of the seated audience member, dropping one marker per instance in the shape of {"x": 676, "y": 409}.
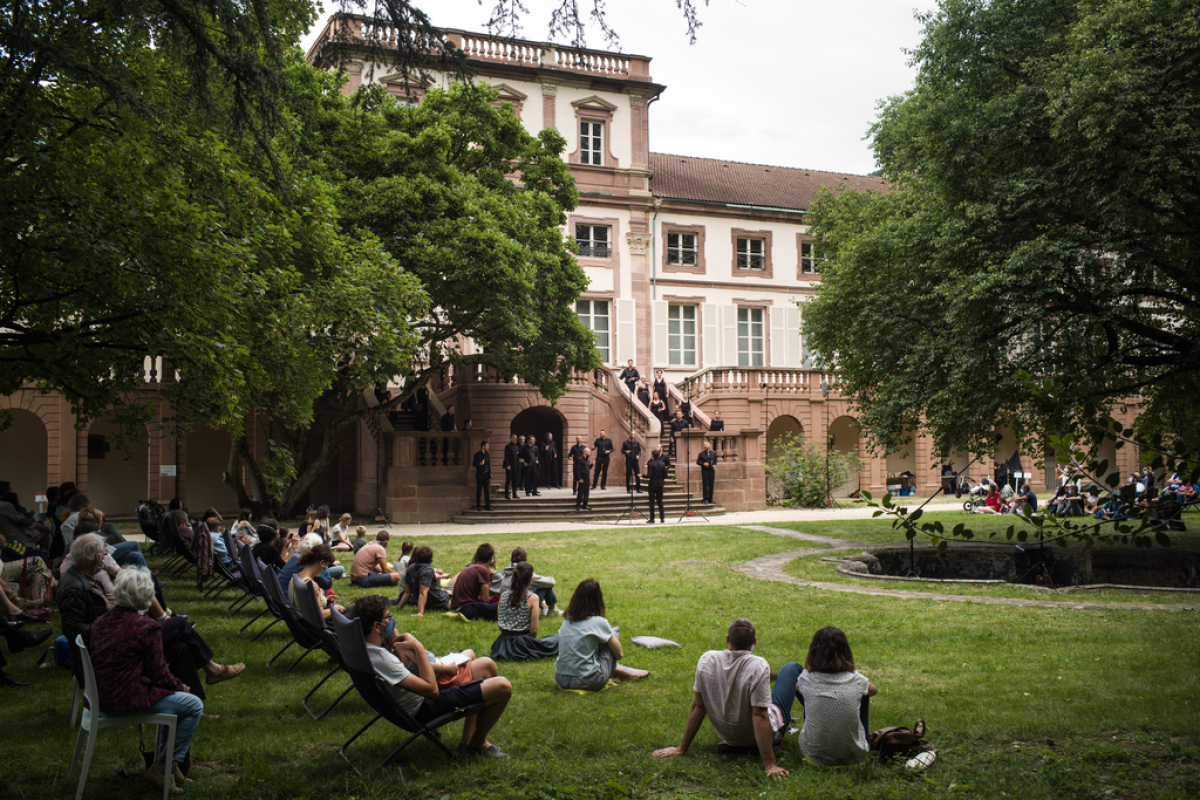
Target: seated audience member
{"x": 542, "y": 586}
{"x": 16, "y": 527}
{"x": 132, "y": 676}
{"x": 733, "y": 689}
{"x": 316, "y": 559}
{"x": 402, "y": 662}
{"x": 588, "y": 647}
{"x": 472, "y": 594}
{"x": 406, "y": 549}
{"x": 835, "y": 697}
{"x": 243, "y": 529}
{"x": 517, "y": 615}
{"x": 268, "y": 551}
{"x": 183, "y": 526}
{"x": 993, "y": 504}
{"x": 360, "y": 540}
{"x": 1055, "y": 504}
{"x": 340, "y": 538}
{"x": 370, "y": 568}
{"x": 320, "y": 523}
{"x": 422, "y": 583}
{"x": 308, "y": 542}
{"x": 220, "y": 551}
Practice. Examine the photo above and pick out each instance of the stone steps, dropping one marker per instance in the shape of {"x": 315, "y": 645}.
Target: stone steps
{"x": 558, "y": 505}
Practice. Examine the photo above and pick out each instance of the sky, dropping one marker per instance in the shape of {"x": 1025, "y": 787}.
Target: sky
{"x": 792, "y": 83}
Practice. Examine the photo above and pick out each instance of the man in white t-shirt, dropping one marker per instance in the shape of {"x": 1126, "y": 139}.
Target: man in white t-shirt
{"x": 733, "y": 689}
{"x": 415, "y": 687}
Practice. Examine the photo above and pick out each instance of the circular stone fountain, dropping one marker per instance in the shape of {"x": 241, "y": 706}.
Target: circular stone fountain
{"x": 1131, "y": 568}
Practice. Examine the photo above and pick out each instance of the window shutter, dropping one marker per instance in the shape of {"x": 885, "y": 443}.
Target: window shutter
{"x": 658, "y": 356}
{"x": 626, "y": 331}
{"x": 779, "y": 334}
{"x": 710, "y": 339}
{"x": 729, "y": 336}
{"x": 795, "y": 354}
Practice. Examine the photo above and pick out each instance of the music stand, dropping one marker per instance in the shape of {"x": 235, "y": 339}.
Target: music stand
{"x": 688, "y": 510}
{"x": 629, "y": 515}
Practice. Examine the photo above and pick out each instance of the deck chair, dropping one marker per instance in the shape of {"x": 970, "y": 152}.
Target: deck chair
{"x": 302, "y": 634}
{"x": 180, "y": 559}
{"x": 310, "y": 611}
{"x": 375, "y": 691}
{"x": 93, "y": 721}
{"x": 252, "y": 582}
{"x": 236, "y": 575}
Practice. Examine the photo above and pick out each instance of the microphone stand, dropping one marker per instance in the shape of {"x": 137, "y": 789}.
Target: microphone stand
{"x": 688, "y": 510}
{"x": 629, "y": 515}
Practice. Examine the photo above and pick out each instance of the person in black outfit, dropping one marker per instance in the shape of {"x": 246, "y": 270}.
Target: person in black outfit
{"x": 632, "y": 451}
{"x": 448, "y": 419}
{"x": 660, "y": 386}
{"x": 550, "y": 458}
{"x": 531, "y": 467}
{"x": 686, "y": 408}
{"x": 631, "y": 377}
{"x": 707, "y": 461}
{"x": 522, "y": 462}
{"x": 718, "y": 424}
{"x": 583, "y": 465}
{"x": 656, "y": 474}
{"x": 482, "y": 462}
{"x": 604, "y": 448}
{"x": 576, "y": 454}
{"x": 678, "y": 424}
{"x": 510, "y": 466}
{"x": 643, "y": 392}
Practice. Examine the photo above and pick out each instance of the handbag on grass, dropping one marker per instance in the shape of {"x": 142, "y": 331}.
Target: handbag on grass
{"x": 899, "y": 741}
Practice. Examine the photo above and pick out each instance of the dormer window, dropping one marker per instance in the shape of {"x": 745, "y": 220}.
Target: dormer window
{"x": 594, "y": 117}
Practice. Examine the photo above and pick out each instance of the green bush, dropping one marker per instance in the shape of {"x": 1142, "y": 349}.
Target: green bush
{"x": 797, "y": 471}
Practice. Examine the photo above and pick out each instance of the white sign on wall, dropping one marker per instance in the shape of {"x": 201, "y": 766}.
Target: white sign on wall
{"x": 166, "y": 470}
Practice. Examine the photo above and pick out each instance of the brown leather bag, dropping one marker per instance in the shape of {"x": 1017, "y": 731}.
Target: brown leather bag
{"x": 899, "y": 741}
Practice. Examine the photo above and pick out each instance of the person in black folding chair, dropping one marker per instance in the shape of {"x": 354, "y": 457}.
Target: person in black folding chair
{"x": 401, "y": 661}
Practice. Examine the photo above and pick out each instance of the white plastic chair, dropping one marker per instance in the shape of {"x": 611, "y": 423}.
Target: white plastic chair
{"x": 93, "y": 722}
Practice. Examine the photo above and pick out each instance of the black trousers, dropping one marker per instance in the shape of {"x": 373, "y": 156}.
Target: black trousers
{"x": 510, "y": 481}
{"x": 483, "y": 484}
{"x": 601, "y": 476}
{"x": 656, "y": 496}
{"x": 631, "y": 468}
{"x": 581, "y": 496}
{"x": 708, "y": 478}
{"x": 185, "y": 653}
{"x": 531, "y": 479}
{"x": 552, "y": 481}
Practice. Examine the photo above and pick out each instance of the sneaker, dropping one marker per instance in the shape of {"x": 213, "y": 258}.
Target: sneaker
{"x": 491, "y": 751}
{"x": 154, "y": 775}
{"x": 555, "y": 612}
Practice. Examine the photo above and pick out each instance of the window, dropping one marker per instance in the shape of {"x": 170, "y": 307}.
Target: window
{"x": 681, "y": 249}
{"x": 750, "y": 337}
{"x": 681, "y": 335}
{"x": 592, "y": 240}
{"x": 750, "y": 254}
{"x": 591, "y": 142}
{"x": 594, "y": 315}
{"x": 808, "y": 264}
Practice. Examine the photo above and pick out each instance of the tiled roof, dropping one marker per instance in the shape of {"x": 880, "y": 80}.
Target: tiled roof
{"x": 712, "y": 180}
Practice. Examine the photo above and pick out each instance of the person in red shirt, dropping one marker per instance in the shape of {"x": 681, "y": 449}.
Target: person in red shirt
{"x": 472, "y": 595}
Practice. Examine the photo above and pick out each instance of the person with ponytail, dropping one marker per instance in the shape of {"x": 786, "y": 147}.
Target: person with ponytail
{"x": 518, "y": 615}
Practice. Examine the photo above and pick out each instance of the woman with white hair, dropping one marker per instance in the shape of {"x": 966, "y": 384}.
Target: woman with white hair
{"x": 132, "y": 674}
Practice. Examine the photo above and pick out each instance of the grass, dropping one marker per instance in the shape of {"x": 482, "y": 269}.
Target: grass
{"x": 1031, "y": 702}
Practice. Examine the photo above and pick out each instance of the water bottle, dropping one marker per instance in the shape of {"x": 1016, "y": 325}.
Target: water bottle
{"x": 922, "y": 760}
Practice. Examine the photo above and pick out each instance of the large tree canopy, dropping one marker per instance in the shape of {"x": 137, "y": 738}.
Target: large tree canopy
{"x": 1038, "y": 256}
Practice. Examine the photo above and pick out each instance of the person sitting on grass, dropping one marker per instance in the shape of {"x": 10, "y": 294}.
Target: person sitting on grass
{"x": 517, "y": 616}
{"x": 422, "y": 583}
{"x": 370, "y": 568}
{"x": 311, "y": 563}
{"x": 360, "y": 541}
{"x": 993, "y": 504}
{"x": 733, "y": 689}
{"x": 835, "y": 697}
{"x": 400, "y": 659}
{"x": 340, "y": 539}
{"x": 542, "y": 585}
{"x": 472, "y": 593}
{"x": 588, "y": 647}
{"x": 406, "y": 550}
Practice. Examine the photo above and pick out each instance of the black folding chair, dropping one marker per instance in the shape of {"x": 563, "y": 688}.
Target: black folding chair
{"x": 252, "y": 582}
{"x": 302, "y": 634}
{"x": 376, "y": 692}
{"x": 310, "y": 611}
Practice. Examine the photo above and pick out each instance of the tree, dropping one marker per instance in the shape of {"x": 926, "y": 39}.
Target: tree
{"x": 803, "y": 474}
{"x": 1037, "y": 260}
{"x": 469, "y": 253}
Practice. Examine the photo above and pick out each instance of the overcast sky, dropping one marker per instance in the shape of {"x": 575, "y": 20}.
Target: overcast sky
{"x": 784, "y": 82}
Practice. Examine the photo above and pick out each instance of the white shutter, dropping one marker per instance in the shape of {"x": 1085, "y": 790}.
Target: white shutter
{"x": 779, "y": 345}
{"x": 710, "y": 349}
{"x": 658, "y": 356}
{"x": 626, "y": 331}
{"x": 729, "y": 336}
{"x": 795, "y": 355}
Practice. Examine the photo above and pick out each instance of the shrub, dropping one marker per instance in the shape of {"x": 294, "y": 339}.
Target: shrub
{"x": 796, "y": 471}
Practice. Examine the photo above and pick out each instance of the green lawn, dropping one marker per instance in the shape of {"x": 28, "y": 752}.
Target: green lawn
{"x": 1028, "y": 702}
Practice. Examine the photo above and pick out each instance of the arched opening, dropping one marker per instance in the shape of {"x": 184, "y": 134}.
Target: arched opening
{"x": 1107, "y": 452}
{"x": 843, "y": 438}
{"x": 117, "y": 466}
{"x": 207, "y": 457}
{"x": 1011, "y": 464}
{"x": 538, "y": 421}
{"x": 904, "y": 459}
{"x": 25, "y": 454}
{"x": 781, "y": 426}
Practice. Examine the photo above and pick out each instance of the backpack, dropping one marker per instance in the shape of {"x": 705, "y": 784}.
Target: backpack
{"x": 899, "y": 741}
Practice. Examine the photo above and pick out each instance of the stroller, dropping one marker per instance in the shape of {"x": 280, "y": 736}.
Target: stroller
{"x": 976, "y": 493}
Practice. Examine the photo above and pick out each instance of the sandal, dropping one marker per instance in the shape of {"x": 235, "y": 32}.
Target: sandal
{"x": 227, "y": 671}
